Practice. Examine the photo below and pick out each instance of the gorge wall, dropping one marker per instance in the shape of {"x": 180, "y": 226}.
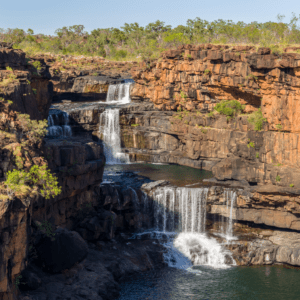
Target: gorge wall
{"x": 167, "y": 121}
{"x": 83, "y": 213}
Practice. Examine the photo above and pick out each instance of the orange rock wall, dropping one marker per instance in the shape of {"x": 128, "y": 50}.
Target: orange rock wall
{"x": 207, "y": 74}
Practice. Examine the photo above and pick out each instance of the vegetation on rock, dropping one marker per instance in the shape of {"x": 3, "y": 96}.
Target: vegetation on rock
{"x": 230, "y": 108}
{"x": 257, "y": 119}
{"x": 29, "y": 174}
{"x": 38, "y": 180}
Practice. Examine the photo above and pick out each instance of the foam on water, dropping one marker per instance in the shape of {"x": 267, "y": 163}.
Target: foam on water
{"x": 202, "y": 250}
{"x": 180, "y": 225}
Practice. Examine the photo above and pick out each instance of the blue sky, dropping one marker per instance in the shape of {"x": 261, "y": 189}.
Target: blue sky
{"x": 46, "y": 16}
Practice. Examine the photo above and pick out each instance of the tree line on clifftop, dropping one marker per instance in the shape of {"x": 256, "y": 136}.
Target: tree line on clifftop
{"x": 132, "y": 41}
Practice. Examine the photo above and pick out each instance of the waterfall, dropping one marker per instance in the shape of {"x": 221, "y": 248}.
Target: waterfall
{"x": 119, "y": 93}
{"x": 58, "y": 125}
{"x": 180, "y": 209}
{"x": 180, "y": 218}
{"x": 110, "y": 130}
{"x": 229, "y": 232}
{"x": 227, "y": 222}
{"x": 109, "y": 123}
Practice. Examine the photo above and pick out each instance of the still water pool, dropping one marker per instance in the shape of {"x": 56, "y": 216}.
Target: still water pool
{"x": 262, "y": 283}
{"x": 175, "y": 174}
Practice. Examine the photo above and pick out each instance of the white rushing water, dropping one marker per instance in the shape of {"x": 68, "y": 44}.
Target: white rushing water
{"x": 180, "y": 218}
{"x": 110, "y": 131}
{"x": 58, "y": 125}
{"x": 119, "y": 93}
{"x": 226, "y": 227}
{"x": 109, "y": 123}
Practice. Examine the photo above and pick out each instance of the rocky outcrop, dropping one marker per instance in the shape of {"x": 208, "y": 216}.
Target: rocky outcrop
{"x": 198, "y": 77}
{"x": 97, "y": 277}
{"x": 83, "y": 78}
{"x": 77, "y": 174}
{"x": 28, "y": 88}
{"x": 61, "y": 251}
{"x": 272, "y": 247}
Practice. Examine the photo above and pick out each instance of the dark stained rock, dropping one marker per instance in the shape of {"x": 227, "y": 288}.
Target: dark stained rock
{"x": 30, "y": 281}
{"x": 63, "y": 251}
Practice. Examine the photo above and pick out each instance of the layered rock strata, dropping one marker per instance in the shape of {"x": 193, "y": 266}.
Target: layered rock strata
{"x": 83, "y": 78}
{"x": 198, "y": 77}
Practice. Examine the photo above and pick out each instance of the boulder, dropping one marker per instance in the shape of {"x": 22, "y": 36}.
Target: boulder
{"x": 63, "y": 251}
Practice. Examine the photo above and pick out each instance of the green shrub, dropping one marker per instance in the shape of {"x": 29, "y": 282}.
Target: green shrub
{"x": 257, "y": 119}
{"x": 257, "y": 155}
{"x": 183, "y": 95}
{"x": 204, "y": 131}
{"x": 251, "y": 76}
{"x": 135, "y": 125}
{"x": 251, "y": 144}
{"x": 39, "y": 177}
{"x": 278, "y": 178}
{"x": 279, "y": 126}
{"x": 34, "y": 91}
{"x": 37, "y": 65}
{"x": 207, "y": 71}
{"x": 291, "y": 185}
{"x": 211, "y": 114}
{"x": 120, "y": 54}
{"x": 32, "y": 129}
{"x": 230, "y": 108}
{"x": 179, "y": 116}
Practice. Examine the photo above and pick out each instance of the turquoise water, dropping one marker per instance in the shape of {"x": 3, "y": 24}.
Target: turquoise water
{"x": 263, "y": 283}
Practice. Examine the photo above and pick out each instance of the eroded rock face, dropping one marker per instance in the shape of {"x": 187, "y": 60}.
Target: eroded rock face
{"x": 197, "y": 77}
{"x": 29, "y": 89}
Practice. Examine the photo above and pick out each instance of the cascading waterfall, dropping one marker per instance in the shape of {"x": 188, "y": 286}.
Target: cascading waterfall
{"x": 110, "y": 130}
{"x": 180, "y": 209}
{"x": 58, "y": 125}
{"x": 110, "y": 126}
{"x": 119, "y": 93}
{"x": 180, "y": 218}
